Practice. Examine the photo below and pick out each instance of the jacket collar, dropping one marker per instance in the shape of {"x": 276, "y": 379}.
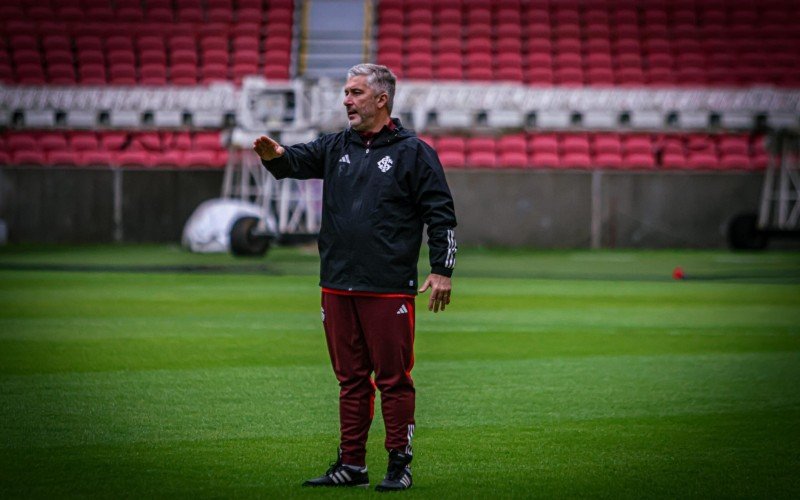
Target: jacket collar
{"x": 392, "y": 127}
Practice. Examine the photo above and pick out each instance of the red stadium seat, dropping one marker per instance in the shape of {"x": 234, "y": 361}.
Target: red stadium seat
{"x": 637, "y": 144}
{"x": 673, "y": 159}
{"x": 736, "y": 161}
{"x": 734, "y": 145}
{"x": 449, "y": 72}
{"x": 27, "y": 56}
{"x": 63, "y": 158}
{"x": 451, "y": 145}
{"x": 575, "y": 143}
{"x": 92, "y": 74}
{"x": 576, "y": 160}
{"x": 136, "y": 158}
{"x": 702, "y": 160}
{"x": 481, "y": 159}
{"x": 219, "y": 15}
{"x": 514, "y": 143}
{"x": 122, "y": 74}
{"x": 543, "y": 143}
{"x": 21, "y": 142}
{"x": 477, "y": 144}
{"x": 544, "y": 160}
{"x": 153, "y": 74}
{"x": 452, "y": 159}
{"x": 600, "y": 76}
{"x": 607, "y": 160}
{"x": 119, "y": 43}
{"x": 512, "y": 159}
{"x": 419, "y": 72}
{"x": 276, "y": 72}
{"x": 114, "y": 141}
{"x": 484, "y": 73}
{"x": 638, "y": 160}
{"x": 214, "y": 42}
{"x": 153, "y": 57}
{"x": 569, "y": 76}
{"x": 83, "y": 141}
{"x": 61, "y": 74}
{"x": 213, "y": 72}
{"x": 130, "y": 14}
{"x": 201, "y": 158}
{"x": 121, "y": 57}
{"x": 242, "y": 70}
{"x": 159, "y": 15}
{"x": 95, "y": 158}
{"x": 58, "y": 56}
{"x": 30, "y": 74}
{"x": 28, "y": 157}
{"x": 60, "y": 42}
{"x": 52, "y": 142}
{"x": 170, "y": 158}
{"x": 207, "y": 141}
{"x": 607, "y": 144}
{"x": 183, "y": 74}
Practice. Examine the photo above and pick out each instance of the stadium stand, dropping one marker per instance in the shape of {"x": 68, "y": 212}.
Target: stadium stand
{"x": 147, "y": 48}
{"x": 593, "y": 42}
{"x": 130, "y": 43}
{"x": 151, "y": 42}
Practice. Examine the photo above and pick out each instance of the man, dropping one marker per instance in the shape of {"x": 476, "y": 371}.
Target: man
{"x": 381, "y": 184}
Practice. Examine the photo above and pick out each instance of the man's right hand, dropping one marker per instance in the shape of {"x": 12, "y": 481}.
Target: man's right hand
{"x": 267, "y": 149}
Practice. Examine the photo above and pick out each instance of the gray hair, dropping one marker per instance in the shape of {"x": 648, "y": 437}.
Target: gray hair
{"x": 379, "y": 78}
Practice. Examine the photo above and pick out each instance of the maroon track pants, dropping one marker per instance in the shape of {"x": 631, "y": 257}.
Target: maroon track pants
{"x": 369, "y": 334}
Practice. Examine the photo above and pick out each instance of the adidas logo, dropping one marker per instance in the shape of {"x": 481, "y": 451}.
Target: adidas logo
{"x": 403, "y": 310}
{"x": 345, "y": 159}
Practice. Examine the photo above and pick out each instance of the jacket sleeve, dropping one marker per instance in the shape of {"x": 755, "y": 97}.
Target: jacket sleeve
{"x": 301, "y": 161}
{"x": 437, "y": 209}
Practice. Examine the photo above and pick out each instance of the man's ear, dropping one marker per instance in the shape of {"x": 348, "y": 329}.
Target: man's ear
{"x": 383, "y": 99}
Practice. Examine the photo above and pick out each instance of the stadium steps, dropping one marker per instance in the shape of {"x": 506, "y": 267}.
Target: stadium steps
{"x": 334, "y": 37}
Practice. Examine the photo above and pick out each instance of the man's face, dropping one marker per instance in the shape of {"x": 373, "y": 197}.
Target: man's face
{"x": 362, "y": 104}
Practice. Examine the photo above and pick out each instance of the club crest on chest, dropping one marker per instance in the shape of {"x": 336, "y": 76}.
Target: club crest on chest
{"x": 385, "y": 164}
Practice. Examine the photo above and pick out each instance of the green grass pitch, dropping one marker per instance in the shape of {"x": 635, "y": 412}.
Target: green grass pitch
{"x": 552, "y": 375}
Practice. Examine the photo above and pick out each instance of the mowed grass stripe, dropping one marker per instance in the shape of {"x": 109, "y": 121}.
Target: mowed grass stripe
{"x": 94, "y": 322}
{"x": 734, "y": 455}
{"x": 235, "y": 403}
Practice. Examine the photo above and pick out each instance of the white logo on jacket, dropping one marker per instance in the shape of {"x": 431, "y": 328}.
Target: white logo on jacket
{"x": 344, "y": 159}
{"x": 385, "y": 163}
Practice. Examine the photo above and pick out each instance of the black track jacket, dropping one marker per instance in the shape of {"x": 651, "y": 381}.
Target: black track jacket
{"x": 376, "y": 198}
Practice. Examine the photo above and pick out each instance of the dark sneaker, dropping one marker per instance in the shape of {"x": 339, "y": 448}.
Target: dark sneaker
{"x": 398, "y": 475}
{"x": 341, "y": 475}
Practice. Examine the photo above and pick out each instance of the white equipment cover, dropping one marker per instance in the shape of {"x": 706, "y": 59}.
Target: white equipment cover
{"x": 208, "y": 230}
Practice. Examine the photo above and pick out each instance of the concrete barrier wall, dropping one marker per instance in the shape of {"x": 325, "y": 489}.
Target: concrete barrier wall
{"x": 573, "y": 209}
{"x": 95, "y": 206}
{"x": 545, "y": 209}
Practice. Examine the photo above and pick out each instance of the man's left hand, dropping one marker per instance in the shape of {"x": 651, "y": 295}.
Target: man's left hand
{"x": 440, "y": 291}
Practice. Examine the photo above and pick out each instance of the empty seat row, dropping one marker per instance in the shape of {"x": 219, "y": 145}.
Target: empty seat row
{"x": 193, "y": 11}
{"x": 686, "y": 77}
{"x": 146, "y": 149}
{"x": 613, "y": 151}
{"x": 103, "y": 158}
